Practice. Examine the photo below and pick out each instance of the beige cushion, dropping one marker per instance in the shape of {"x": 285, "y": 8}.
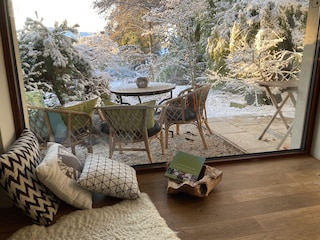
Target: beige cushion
{"x": 59, "y": 171}
{"x": 110, "y": 177}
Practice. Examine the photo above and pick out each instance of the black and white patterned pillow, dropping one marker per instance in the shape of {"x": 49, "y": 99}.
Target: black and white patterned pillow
{"x": 19, "y": 180}
{"x": 110, "y": 177}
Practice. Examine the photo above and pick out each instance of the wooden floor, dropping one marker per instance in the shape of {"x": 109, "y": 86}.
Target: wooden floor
{"x": 262, "y": 199}
{"x": 278, "y": 199}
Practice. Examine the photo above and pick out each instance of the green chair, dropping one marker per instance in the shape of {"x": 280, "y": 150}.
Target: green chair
{"x": 130, "y": 124}
{"x": 69, "y": 126}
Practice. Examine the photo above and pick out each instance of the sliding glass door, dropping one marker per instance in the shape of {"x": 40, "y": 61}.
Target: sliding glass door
{"x": 259, "y": 57}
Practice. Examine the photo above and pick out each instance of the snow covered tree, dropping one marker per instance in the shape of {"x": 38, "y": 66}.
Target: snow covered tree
{"x": 125, "y": 25}
{"x": 50, "y": 61}
{"x": 238, "y": 38}
{"x": 261, "y": 40}
{"x": 181, "y": 25}
{"x": 128, "y": 28}
{"x": 98, "y": 49}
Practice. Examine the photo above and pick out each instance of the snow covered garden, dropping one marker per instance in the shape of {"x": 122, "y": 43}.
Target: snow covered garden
{"x": 231, "y": 44}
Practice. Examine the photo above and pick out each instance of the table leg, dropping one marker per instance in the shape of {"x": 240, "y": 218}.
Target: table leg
{"x": 268, "y": 125}
{"x": 163, "y": 100}
{"x": 120, "y": 100}
{"x": 279, "y": 107}
{"x": 293, "y": 100}
{"x": 278, "y": 111}
{"x": 285, "y": 136}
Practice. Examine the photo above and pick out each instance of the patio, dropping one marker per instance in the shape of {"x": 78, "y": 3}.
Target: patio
{"x": 241, "y": 131}
{"x": 244, "y": 131}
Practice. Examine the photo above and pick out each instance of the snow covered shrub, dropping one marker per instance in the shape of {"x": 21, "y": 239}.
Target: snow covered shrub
{"x": 51, "y": 63}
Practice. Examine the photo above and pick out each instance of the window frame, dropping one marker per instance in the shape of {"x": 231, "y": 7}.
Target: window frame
{"x": 11, "y": 67}
{"x": 8, "y": 45}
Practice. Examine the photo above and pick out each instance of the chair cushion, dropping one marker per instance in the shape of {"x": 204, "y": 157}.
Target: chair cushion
{"x": 58, "y": 126}
{"x": 150, "y": 117}
{"x": 154, "y": 130}
{"x": 18, "y": 178}
{"x": 110, "y": 177}
{"x": 35, "y": 98}
{"x": 85, "y": 106}
{"x": 59, "y": 171}
{"x": 175, "y": 114}
{"x": 191, "y": 102}
{"x": 104, "y": 128}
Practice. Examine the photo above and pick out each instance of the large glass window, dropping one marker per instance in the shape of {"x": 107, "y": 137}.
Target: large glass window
{"x": 258, "y": 56}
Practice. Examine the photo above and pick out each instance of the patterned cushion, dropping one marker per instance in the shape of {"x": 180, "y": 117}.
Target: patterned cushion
{"x": 59, "y": 171}
{"x": 19, "y": 180}
{"x": 113, "y": 178}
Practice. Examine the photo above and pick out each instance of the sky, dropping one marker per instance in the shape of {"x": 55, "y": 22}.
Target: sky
{"x": 74, "y": 11}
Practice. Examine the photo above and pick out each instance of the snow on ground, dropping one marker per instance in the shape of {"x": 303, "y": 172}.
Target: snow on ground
{"x": 218, "y": 103}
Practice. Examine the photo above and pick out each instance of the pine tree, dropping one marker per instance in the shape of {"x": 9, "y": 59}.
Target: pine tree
{"x": 51, "y": 62}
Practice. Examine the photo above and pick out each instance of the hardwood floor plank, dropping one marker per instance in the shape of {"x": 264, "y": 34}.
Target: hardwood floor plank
{"x": 207, "y": 211}
{"x": 223, "y": 230}
{"x": 277, "y": 190}
{"x": 291, "y": 219}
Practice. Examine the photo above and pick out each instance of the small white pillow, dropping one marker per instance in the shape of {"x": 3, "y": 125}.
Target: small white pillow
{"x": 59, "y": 172}
{"x": 110, "y": 177}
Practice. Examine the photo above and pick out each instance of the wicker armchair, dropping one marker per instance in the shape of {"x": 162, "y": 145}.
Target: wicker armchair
{"x": 188, "y": 107}
{"x": 204, "y": 112}
{"x": 62, "y": 125}
{"x": 130, "y": 124}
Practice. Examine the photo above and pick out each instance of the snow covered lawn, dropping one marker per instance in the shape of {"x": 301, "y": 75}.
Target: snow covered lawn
{"x": 218, "y": 104}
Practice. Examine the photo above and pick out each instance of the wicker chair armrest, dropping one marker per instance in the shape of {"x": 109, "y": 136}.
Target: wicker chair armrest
{"x": 73, "y": 125}
{"x": 157, "y": 108}
{"x": 69, "y": 115}
{"x": 185, "y": 91}
{"x": 177, "y": 102}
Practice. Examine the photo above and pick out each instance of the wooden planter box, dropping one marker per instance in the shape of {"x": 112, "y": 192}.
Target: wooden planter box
{"x": 209, "y": 179}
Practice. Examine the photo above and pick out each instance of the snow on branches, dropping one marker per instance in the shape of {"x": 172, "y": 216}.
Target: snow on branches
{"x": 51, "y": 62}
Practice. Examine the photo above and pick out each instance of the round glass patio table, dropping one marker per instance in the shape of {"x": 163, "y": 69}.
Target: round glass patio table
{"x": 153, "y": 88}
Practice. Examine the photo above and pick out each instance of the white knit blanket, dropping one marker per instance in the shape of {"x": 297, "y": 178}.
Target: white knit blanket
{"x": 129, "y": 219}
